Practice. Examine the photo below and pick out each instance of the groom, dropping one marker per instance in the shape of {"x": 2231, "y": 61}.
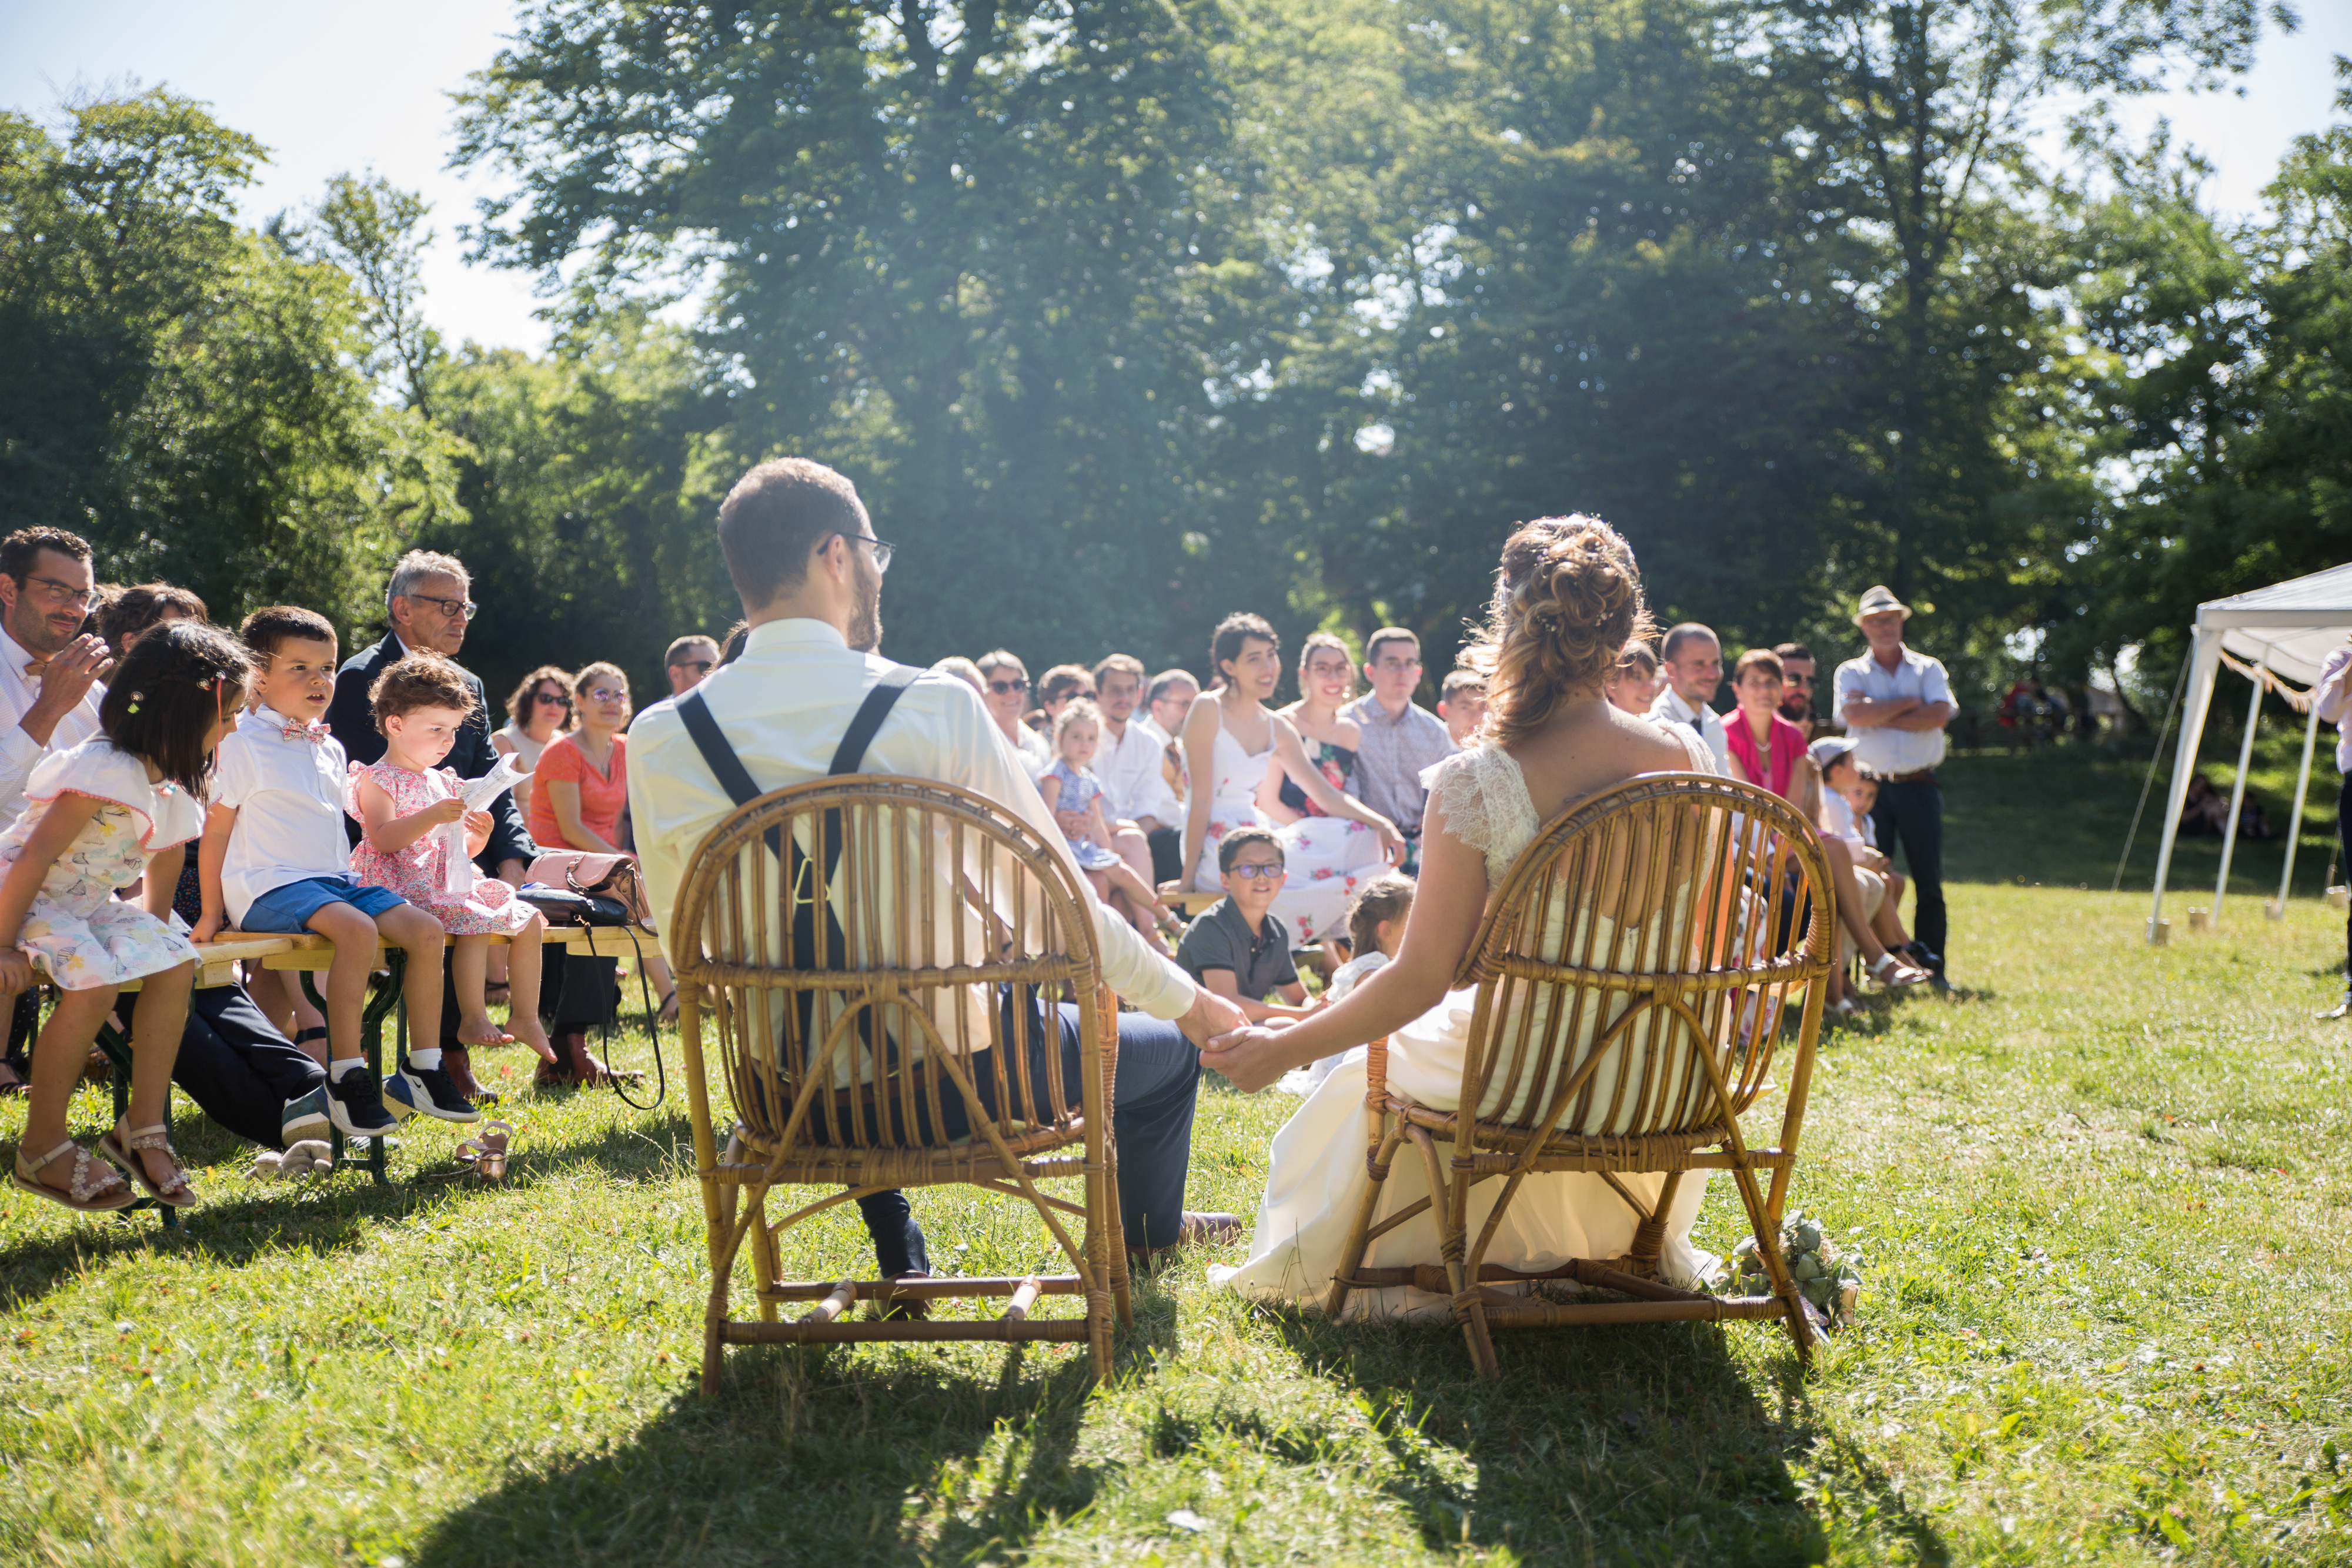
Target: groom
{"x": 804, "y": 561}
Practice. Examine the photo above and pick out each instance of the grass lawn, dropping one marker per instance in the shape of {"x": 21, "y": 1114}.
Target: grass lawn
{"x": 2100, "y": 1195}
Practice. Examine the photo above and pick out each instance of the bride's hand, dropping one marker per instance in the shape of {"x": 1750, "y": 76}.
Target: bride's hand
{"x": 1246, "y": 1057}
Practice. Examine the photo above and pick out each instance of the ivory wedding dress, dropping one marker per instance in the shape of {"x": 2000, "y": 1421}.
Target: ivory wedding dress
{"x": 1328, "y": 858}
{"x": 1316, "y": 1179}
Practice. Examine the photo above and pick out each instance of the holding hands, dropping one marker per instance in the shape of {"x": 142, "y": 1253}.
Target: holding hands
{"x": 1250, "y": 1057}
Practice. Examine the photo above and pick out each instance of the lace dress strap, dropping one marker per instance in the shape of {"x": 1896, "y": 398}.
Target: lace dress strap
{"x": 1484, "y": 799}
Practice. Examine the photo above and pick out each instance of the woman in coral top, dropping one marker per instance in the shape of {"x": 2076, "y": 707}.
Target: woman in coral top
{"x": 581, "y": 786}
{"x": 1764, "y": 746}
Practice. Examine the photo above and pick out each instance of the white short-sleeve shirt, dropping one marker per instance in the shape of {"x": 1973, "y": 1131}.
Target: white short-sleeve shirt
{"x": 1883, "y": 748}
{"x": 288, "y": 795}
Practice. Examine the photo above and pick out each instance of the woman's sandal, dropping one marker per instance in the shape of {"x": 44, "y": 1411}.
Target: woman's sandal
{"x": 1892, "y": 972}
{"x": 173, "y": 1191}
{"x": 485, "y": 1157}
{"x": 85, "y": 1193}
{"x": 669, "y": 1007}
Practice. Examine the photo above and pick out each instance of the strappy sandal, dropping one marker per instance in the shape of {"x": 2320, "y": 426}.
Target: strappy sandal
{"x": 669, "y": 1013}
{"x": 1893, "y": 972}
{"x": 86, "y": 1192}
{"x": 490, "y": 1155}
{"x": 174, "y": 1191}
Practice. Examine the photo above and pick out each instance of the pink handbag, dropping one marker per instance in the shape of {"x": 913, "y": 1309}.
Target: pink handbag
{"x": 596, "y": 875}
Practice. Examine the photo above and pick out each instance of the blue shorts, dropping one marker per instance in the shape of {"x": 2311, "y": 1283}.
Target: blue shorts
{"x": 290, "y": 909}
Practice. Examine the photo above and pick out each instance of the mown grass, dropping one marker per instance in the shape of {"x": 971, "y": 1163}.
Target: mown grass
{"x": 2100, "y": 1193}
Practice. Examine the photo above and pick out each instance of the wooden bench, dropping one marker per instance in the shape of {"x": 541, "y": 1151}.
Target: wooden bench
{"x": 308, "y": 954}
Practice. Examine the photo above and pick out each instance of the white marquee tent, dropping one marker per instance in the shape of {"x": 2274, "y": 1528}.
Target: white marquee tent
{"x": 2288, "y": 629}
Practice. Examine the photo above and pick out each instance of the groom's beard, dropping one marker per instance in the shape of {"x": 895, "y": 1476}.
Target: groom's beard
{"x": 865, "y": 626}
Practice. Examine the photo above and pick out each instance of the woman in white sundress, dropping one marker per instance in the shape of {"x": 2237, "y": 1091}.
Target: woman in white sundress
{"x": 1567, "y": 599}
{"x": 1230, "y": 741}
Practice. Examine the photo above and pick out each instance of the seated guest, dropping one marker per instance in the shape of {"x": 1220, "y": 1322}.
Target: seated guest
{"x": 1631, "y": 684}
{"x": 538, "y": 710}
{"x": 1231, "y": 739}
{"x": 1074, "y": 795}
{"x": 1797, "y": 686}
{"x": 1375, "y": 931}
{"x": 1171, "y": 695}
{"x": 1008, "y": 696}
{"x": 1239, "y": 948}
{"x": 1692, "y": 660}
{"x": 964, "y": 670}
{"x": 802, "y": 555}
{"x": 1399, "y": 739}
{"x": 1327, "y": 683}
{"x": 133, "y": 611}
{"x": 1056, "y": 689}
{"x": 577, "y": 792}
{"x": 1869, "y": 889}
{"x": 691, "y": 659}
{"x": 1764, "y": 746}
{"x": 1461, "y": 703}
{"x": 1130, "y": 761}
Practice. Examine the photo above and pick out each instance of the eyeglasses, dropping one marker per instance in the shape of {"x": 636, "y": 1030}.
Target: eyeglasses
{"x": 58, "y": 592}
{"x": 1797, "y": 680}
{"x": 700, "y": 666}
{"x": 1398, "y": 665}
{"x": 1253, "y": 871}
{"x": 455, "y": 609}
{"x": 609, "y": 695}
{"x": 1006, "y": 688}
{"x": 882, "y": 550}
{"x": 552, "y": 699}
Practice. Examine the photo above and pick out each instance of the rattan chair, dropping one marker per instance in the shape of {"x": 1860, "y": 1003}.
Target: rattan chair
{"x": 1638, "y": 1056}
{"x": 857, "y": 1004}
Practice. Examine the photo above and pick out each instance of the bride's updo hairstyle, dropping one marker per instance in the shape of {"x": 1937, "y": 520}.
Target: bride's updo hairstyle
{"x": 1568, "y": 598}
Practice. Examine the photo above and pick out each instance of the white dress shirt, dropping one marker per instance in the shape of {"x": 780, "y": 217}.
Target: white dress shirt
{"x": 785, "y": 706}
{"x": 2334, "y": 695}
{"x": 1133, "y": 785}
{"x": 288, "y": 796}
{"x": 1670, "y": 710}
{"x": 1883, "y": 748}
{"x": 19, "y": 751}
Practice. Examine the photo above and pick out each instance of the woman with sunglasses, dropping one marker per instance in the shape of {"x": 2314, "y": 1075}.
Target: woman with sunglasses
{"x": 1004, "y": 690}
{"x": 538, "y": 711}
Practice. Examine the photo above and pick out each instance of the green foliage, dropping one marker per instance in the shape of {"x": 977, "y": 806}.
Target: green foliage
{"x": 183, "y": 391}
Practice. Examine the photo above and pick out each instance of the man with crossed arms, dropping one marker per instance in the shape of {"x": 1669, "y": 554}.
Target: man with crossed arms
{"x": 804, "y": 561}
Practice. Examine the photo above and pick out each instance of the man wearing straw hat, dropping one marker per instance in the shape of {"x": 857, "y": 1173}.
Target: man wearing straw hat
{"x": 1896, "y": 703}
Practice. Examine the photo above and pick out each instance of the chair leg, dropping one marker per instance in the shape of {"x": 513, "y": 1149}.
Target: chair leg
{"x": 1115, "y": 1227}
{"x": 1776, "y": 1268}
{"x": 1351, "y": 1255}
{"x": 1451, "y": 1241}
{"x": 767, "y": 1267}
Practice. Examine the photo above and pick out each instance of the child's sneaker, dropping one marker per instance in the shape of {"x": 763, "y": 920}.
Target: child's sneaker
{"x": 305, "y": 1116}
{"x": 428, "y": 1092}
{"x": 356, "y": 1105}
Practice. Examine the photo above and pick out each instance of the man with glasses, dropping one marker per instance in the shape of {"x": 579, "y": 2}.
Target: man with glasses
{"x": 1797, "y": 686}
{"x": 804, "y": 559}
{"x": 1398, "y": 738}
{"x": 47, "y": 695}
{"x": 429, "y": 604}
{"x": 689, "y": 662}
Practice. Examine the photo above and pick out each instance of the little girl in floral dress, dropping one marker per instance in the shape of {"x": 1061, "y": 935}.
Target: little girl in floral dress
{"x": 121, "y": 805}
{"x": 405, "y": 803}
{"x": 1070, "y": 785}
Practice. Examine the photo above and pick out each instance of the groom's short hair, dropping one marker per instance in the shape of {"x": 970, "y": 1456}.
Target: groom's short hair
{"x": 775, "y": 517}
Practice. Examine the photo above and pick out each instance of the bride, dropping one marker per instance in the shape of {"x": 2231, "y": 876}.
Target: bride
{"x": 1567, "y": 600}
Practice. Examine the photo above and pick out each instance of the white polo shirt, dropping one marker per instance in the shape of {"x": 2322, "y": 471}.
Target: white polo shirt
{"x": 1883, "y": 748}
{"x": 289, "y": 794}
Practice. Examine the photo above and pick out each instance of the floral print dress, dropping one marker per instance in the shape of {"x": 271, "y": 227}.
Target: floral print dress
{"x": 77, "y": 931}
{"x": 491, "y": 909}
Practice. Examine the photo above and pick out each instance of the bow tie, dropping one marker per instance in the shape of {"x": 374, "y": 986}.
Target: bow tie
{"x": 33, "y": 669}
{"x": 296, "y": 729}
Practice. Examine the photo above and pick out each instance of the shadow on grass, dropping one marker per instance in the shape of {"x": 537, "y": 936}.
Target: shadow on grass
{"x": 825, "y": 1454}
{"x": 1643, "y": 1444}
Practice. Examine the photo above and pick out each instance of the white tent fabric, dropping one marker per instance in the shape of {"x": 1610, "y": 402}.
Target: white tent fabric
{"x": 2288, "y": 628}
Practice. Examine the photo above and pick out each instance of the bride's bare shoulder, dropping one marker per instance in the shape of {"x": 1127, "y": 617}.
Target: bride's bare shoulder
{"x": 1646, "y": 743}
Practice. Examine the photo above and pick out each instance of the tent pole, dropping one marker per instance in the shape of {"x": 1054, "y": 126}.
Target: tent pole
{"x": 2302, "y": 789}
{"x": 2237, "y": 789}
{"x": 2203, "y": 662}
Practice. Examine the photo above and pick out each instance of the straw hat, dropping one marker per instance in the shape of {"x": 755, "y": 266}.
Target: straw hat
{"x": 1879, "y": 600}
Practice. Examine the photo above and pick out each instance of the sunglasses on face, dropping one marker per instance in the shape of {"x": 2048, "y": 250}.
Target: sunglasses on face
{"x": 700, "y": 666}
{"x": 1006, "y": 688}
{"x": 1254, "y": 873}
{"x": 1797, "y": 680}
{"x": 554, "y": 699}
{"x": 607, "y": 694}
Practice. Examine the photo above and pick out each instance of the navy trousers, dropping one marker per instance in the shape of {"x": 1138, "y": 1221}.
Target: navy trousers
{"x": 237, "y": 1068}
{"x": 1912, "y": 814}
{"x": 1153, "y": 1094}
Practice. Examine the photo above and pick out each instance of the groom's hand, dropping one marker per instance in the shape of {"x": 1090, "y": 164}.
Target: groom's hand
{"x": 1210, "y": 1015}
{"x": 1246, "y": 1057}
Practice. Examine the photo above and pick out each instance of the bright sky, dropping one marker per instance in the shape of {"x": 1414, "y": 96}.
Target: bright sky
{"x": 328, "y": 88}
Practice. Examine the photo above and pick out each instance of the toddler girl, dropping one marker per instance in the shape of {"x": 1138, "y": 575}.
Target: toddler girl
{"x": 1069, "y": 785}
{"x": 406, "y": 804}
{"x": 1375, "y": 930}
{"x": 122, "y": 804}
